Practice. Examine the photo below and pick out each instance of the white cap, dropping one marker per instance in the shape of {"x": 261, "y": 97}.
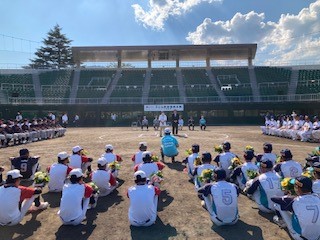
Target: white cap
{"x": 63, "y": 155}
{"x": 76, "y": 149}
{"x": 167, "y": 130}
{"x": 143, "y": 144}
{"x": 14, "y": 174}
{"x": 109, "y": 146}
{"x": 76, "y": 172}
{"x": 146, "y": 154}
{"x": 140, "y": 173}
{"x": 102, "y": 161}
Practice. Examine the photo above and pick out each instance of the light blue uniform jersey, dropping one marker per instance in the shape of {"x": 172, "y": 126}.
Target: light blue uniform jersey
{"x": 169, "y": 146}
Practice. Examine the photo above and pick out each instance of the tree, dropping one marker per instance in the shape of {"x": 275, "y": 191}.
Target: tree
{"x": 56, "y": 52}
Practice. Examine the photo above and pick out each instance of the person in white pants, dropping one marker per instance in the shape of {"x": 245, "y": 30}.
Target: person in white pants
{"x": 143, "y": 201}
{"x": 221, "y": 199}
{"x": 75, "y": 199}
{"x": 300, "y": 214}
{"x": 12, "y": 195}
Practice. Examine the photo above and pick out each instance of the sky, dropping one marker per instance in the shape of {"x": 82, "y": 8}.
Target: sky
{"x": 286, "y": 31}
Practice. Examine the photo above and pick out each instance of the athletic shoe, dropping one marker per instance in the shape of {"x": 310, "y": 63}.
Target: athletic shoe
{"x": 43, "y": 206}
{"x": 279, "y": 221}
{"x": 203, "y": 204}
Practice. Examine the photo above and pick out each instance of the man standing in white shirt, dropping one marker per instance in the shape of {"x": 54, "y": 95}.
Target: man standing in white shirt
{"x": 64, "y": 120}
{"x": 162, "y": 122}
{"x": 143, "y": 201}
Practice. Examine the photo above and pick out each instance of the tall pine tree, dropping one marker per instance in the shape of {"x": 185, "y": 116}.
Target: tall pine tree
{"x": 56, "y": 52}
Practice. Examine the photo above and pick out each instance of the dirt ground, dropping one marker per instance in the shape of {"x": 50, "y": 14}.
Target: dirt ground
{"x": 180, "y": 215}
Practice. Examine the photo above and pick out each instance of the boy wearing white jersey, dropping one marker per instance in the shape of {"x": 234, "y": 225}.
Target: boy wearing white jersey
{"x": 16, "y": 200}
{"x": 239, "y": 175}
{"x": 223, "y": 160}
{"x": 59, "y": 172}
{"x": 268, "y": 155}
{"x": 306, "y": 130}
{"x": 288, "y": 167}
{"x": 264, "y": 187}
{"x": 111, "y": 157}
{"x": 148, "y": 167}
{"x": 103, "y": 178}
{"x": 137, "y": 158}
{"x": 78, "y": 160}
{"x": 221, "y": 199}
{"x": 143, "y": 201}
{"x": 75, "y": 199}
{"x": 195, "y": 148}
{"x": 316, "y": 182}
{"x": 206, "y": 159}
{"x": 299, "y": 214}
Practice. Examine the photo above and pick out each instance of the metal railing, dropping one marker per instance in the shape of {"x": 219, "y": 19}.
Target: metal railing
{"x": 160, "y": 100}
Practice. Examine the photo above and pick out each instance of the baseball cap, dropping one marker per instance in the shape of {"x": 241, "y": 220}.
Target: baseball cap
{"x": 206, "y": 156}
{"x": 248, "y": 154}
{"x": 102, "y": 161}
{"x": 146, "y": 155}
{"x": 138, "y": 175}
{"x": 62, "y": 155}
{"x": 316, "y": 167}
{"x": 143, "y": 145}
{"x": 23, "y": 152}
{"x": 286, "y": 153}
{"x": 304, "y": 182}
{"x": 76, "y": 149}
{"x": 167, "y": 130}
{"x": 77, "y": 172}
{"x": 226, "y": 145}
{"x": 267, "y": 147}
{"x": 266, "y": 164}
{"x": 195, "y": 148}
{"x": 14, "y": 174}
{"x": 220, "y": 174}
{"x": 109, "y": 147}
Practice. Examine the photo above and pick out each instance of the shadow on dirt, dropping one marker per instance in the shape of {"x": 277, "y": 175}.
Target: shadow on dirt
{"x": 24, "y": 231}
{"x": 239, "y": 231}
{"x": 164, "y": 200}
{"x": 156, "y": 231}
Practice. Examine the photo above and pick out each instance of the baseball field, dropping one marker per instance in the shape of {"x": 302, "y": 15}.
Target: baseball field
{"x": 180, "y": 215}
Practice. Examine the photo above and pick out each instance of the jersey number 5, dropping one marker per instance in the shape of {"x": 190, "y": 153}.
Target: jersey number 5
{"x": 226, "y": 196}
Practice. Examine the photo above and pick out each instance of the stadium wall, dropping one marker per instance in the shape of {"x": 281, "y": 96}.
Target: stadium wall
{"x": 216, "y": 114}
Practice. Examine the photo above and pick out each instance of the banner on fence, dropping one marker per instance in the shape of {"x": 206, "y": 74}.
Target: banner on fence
{"x": 163, "y": 107}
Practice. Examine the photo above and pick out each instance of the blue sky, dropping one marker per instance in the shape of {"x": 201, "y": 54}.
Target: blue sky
{"x": 285, "y": 30}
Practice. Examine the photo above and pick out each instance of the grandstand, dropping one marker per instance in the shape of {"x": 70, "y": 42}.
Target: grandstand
{"x": 224, "y": 93}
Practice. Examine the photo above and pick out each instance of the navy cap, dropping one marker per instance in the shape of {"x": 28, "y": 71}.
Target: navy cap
{"x": 195, "y": 148}
{"x": 267, "y": 147}
{"x": 23, "y": 152}
{"x": 220, "y": 174}
{"x": 266, "y": 164}
{"x": 316, "y": 167}
{"x": 259, "y": 157}
{"x": 206, "y": 157}
{"x": 286, "y": 153}
{"x": 304, "y": 182}
{"x": 248, "y": 154}
{"x": 226, "y": 145}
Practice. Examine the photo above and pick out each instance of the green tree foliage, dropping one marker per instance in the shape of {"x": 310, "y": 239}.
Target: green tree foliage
{"x": 55, "y": 52}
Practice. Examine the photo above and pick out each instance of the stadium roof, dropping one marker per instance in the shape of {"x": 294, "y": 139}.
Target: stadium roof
{"x": 164, "y": 53}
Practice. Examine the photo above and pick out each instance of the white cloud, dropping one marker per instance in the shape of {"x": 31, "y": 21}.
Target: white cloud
{"x": 160, "y": 10}
{"x": 292, "y": 37}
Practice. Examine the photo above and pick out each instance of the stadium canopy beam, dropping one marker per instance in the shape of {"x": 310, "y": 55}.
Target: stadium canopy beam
{"x": 175, "y": 53}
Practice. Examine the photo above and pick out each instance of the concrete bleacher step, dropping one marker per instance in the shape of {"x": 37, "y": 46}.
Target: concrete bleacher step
{"x": 215, "y": 85}
{"x": 254, "y": 85}
{"x": 293, "y": 82}
{"x": 182, "y": 92}
{"x": 111, "y": 87}
{"x": 37, "y": 87}
{"x": 74, "y": 87}
{"x": 146, "y": 87}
